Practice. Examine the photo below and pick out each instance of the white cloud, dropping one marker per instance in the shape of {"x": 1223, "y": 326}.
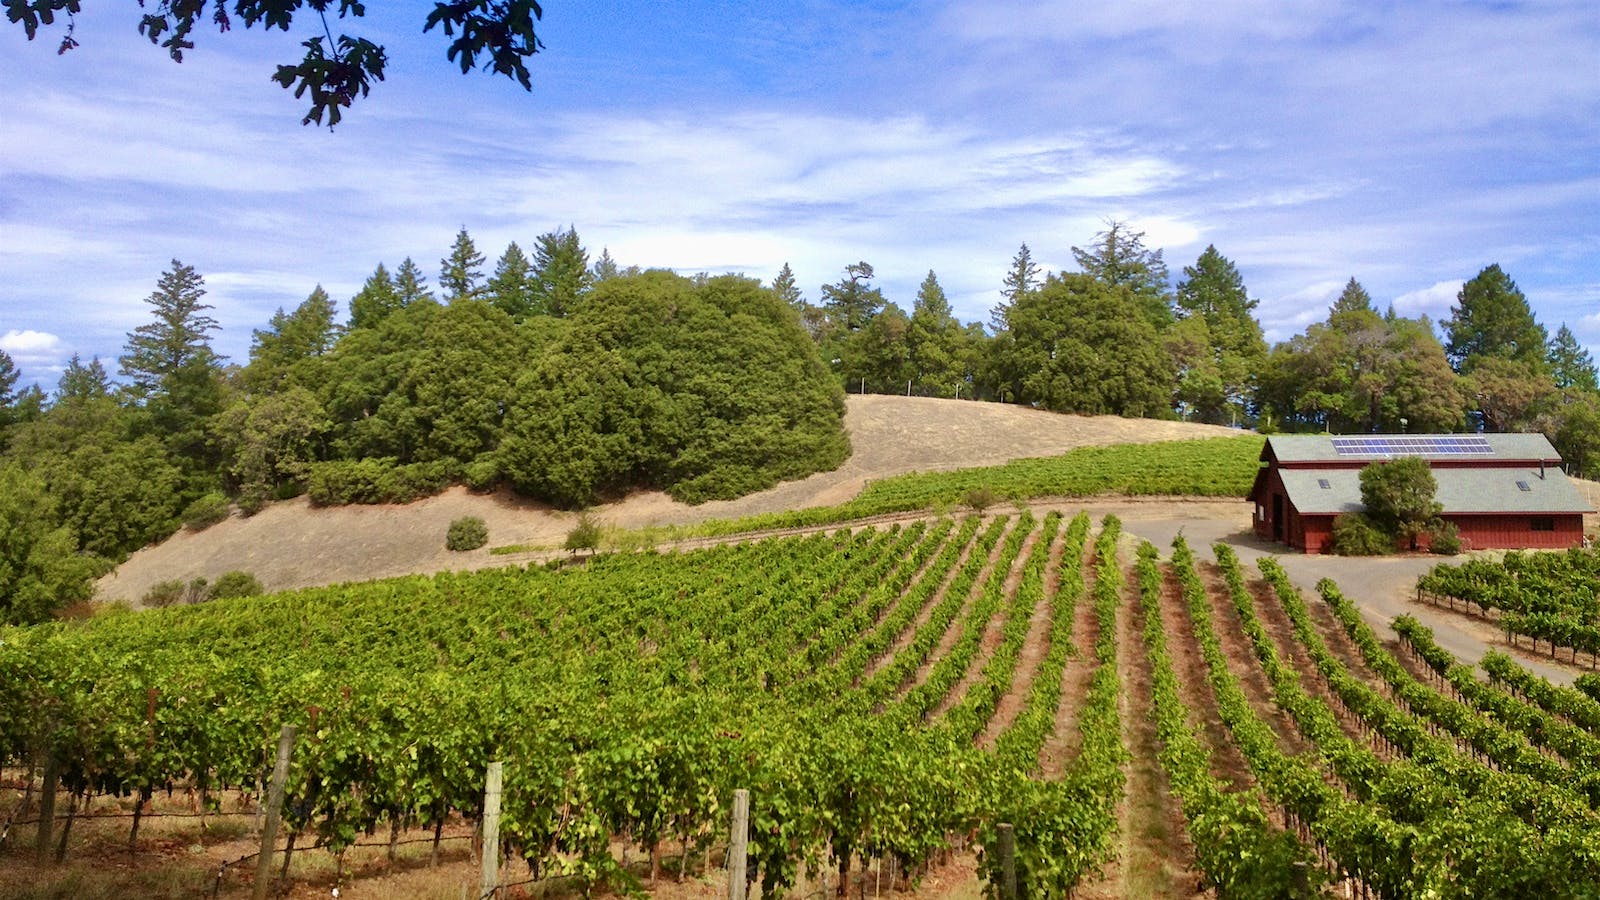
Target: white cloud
{"x": 33, "y": 351}
{"x": 1433, "y": 301}
{"x": 28, "y": 342}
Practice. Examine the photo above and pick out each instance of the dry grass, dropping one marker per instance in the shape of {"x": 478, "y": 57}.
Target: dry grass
{"x": 290, "y": 544}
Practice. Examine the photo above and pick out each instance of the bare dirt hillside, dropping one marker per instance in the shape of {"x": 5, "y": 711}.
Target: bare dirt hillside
{"x": 291, "y": 544}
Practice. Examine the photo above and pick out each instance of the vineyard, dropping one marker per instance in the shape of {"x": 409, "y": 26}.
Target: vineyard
{"x": 1552, "y": 599}
{"x": 891, "y": 698}
{"x": 1210, "y": 467}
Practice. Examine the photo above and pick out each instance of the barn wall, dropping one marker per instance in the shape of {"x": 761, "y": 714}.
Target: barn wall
{"x": 1516, "y": 531}
{"x": 1261, "y": 511}
{"x": 1316, "y": 533}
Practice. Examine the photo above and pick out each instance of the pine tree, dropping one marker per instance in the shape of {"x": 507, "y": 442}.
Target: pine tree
{"x": 9, "y": 397}
{"x": 605, "y": 268}
{"x": 934, "y": 337}
{"x": 410, "y": 284}
{"x": 1213, "y": 292}
{"x": 375, "y": 301}
{"x": 1021, "y": 279}
{"x": 853, "y": 302}
{"x": 560, "y": 273}
{"x": 1570, "y": 365}
{"x": 80, "y": 382}
{"x": 8, "y": 380}
{"x": 462, "y": 270}
{"x": 291, "y": 338}
{"x": 172, "y": 369}
{"x": 177, "y": 340}
{"x": 784, "y": 286}
{"x": 1353, "y": 299}
{"x": 511, "y": 287}
{"x": 1492, "y": 318}
{"x": 1120, "y": 259}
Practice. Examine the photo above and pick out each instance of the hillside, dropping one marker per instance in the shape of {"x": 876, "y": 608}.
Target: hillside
{"x": 292, "y": 544}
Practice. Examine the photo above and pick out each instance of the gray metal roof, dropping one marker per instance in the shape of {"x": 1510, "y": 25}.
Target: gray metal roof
{"x": 1461, "y": 491}
{"x": 1299, "y": 448}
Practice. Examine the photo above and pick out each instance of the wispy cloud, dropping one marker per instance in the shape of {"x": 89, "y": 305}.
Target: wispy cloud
{"x": 1310, "y": 141}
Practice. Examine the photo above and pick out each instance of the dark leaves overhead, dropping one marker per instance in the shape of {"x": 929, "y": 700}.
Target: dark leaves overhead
{"x": 494, "y": 35}
{"x": 504, "y": 31}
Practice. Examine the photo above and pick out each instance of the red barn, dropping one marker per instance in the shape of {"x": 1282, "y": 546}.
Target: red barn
{"x": 1500, "y": 490}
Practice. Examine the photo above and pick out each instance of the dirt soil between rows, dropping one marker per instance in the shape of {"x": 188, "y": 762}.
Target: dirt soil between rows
{"x": 292, "y": 544}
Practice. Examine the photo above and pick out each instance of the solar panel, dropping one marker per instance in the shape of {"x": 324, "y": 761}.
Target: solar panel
{"x": 1399, "y": 445}
{"x": 1524, "y": 487}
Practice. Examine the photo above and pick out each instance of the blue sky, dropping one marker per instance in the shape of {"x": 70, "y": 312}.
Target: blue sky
{"x": 1405, "y": 144}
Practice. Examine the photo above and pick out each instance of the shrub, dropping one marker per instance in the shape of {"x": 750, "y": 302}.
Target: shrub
{"x": 482, "y": 474}
{"x": 167, "y": 593}
{"x": 585, "y": 535}
{"x": 979, "y": 499}
{"x": 1356, "y": 535}
{"x": 205, "y": 512}
{"x": 379, "y": 480}
{"x": 163, "y": 593}
{"x": 252, "y": 501}
{"x": 1444, "y": 538}
{"x": 466, "y": 533}
{"x": 234, "y": 584}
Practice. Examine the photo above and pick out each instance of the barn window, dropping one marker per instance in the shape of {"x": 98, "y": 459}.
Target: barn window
{"x": 1324, "y": 484}
{"x": 1541, "y": 523}
{"x": 1524, "y": 487}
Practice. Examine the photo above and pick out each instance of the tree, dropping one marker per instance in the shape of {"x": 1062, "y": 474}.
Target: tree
{"x": 460, "y": 272}
{"x": 1080, "y": 345}
{"x": 80, "y": 382}
{"x": 1119, "y": 258}
{"x": 786, "y": 289}
{"x": 271, "y": 439}
{"x": 510, "y": 289}
{"x": 1571, "y": 366}
{"x": 1360, "y": 372}
{"x": 934, "y": 340}
{"x": 8, "y": 379}
{"x": 1511, "y": 394}
{"x": 560, "y": 273}
{"x": 852, "y": 302}
{"x": 171, "y": 367}
{"x": 1577, "y": 434}
{"x": 379, "y": 297}
{"x": 708, "y": 390}
{"x": 1492, "y": 318}
{"x": 605, "y": 268}
{"x": 879, "y": 354}
{"x": 410, "y": 284}
{"x": 1398, "y": 496}
{"x": 499, "y": 32}
{"x": 40, "y": 568}
{"x": 1213, "y": 292}
{"x": 1022, "y": 278}
{"x": 8, "y": 393}
{"x": 1352, "y": 301}
{"x": 278, "y": 354}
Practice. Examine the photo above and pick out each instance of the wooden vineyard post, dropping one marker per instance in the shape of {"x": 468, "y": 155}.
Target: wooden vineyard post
{"x": 269, "y": 828}
{"x": 737, "y": 845}
{"x": 1008, "y": 862}
{"x": 47, "y": 808}
{"x": 489, "y": 878}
